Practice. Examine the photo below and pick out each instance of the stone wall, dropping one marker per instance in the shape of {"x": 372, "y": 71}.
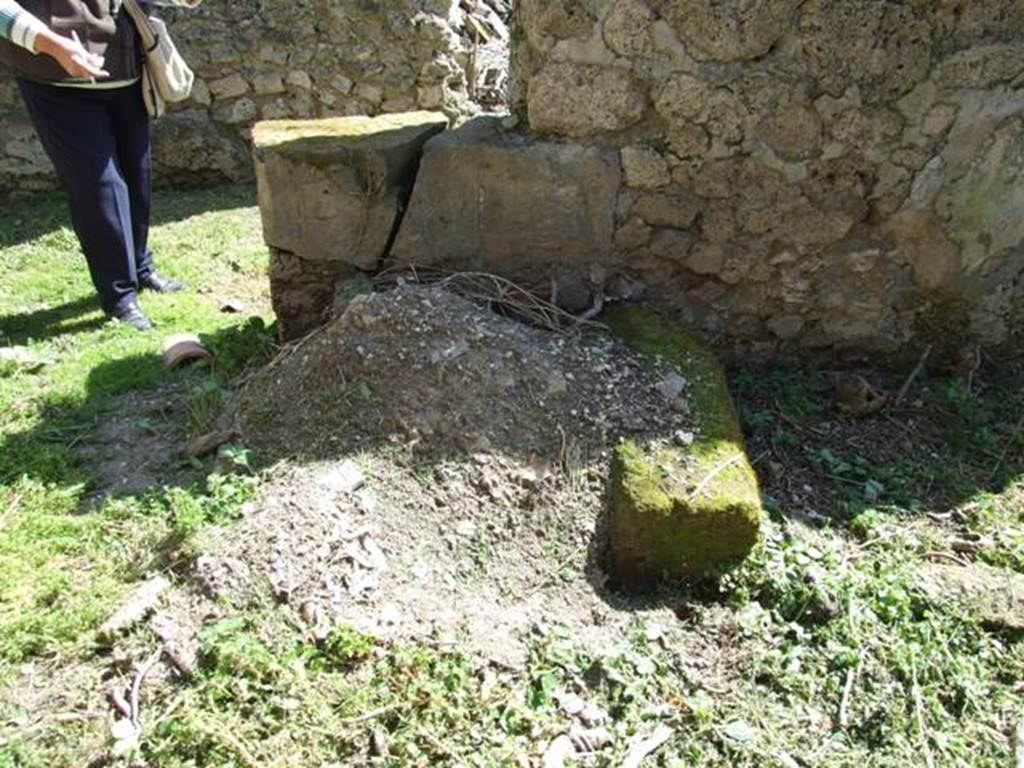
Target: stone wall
{"x": 801, "y": 174}
{"x": 258, "y": 59}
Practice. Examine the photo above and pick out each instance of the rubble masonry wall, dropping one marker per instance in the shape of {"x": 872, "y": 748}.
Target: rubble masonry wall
{"x": 258, "y": 60}
{"x": 801, "y": 174}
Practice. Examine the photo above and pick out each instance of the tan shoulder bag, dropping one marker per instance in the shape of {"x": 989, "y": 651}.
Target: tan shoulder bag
{"x": 166, "y": 78}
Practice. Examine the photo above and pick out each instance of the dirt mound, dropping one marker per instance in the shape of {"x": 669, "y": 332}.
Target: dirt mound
{"x": 431, "y": 371}
{"x": 446, "y": 472}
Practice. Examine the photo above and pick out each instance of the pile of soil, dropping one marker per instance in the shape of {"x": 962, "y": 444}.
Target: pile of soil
{"x": 433, "y": 372}
{"x": 445, "y": 473}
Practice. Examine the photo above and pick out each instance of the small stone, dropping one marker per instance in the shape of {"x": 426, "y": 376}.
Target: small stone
{"x": 572, "y": 704}
{"x": 125, "y": 736}
{"x": 672, "y": 245}
{"x": 230, "y": 87}
{"x": 300, "y": 79}
{"x": 242, "y": 111}
{"x": 684, "y": 437}
{"x": 939, "y": 119}
{"x": 706, "y": 259}
{"x": 379, "y": 743}
{"x": 786, "y": 327}
{"x": 430, "y": 97}
{"x": 579, "y": 100}
{"x": 369, "y": 93}
{"x": 121, "y": 660}
{"x": 558, "y": 752}
{"x": 367, "y": 501}
{"x": 344, "y": 479}
{"x": 634, "y": 234}
{"x": 664, "y": 210}
{"x": 140, "y": 603}
{"x": 342, "y": 84}
{"x": 266, "y": 83}
{"x": 593, "y": 715}
{"x": 672, "y": 386}
{"x": 557, "y": 384}
{"x": 644, "y": 168}
{"x": 993, "y": 596}
{"x": 654, "y": 632}
{"x": 201, "y": 93}
{"x": 739, "y": 731}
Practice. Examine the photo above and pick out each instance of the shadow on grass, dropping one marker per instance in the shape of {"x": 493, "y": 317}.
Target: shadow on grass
{"x": 28, "y": 218}
{"x": 48, "y": 452}
{"x": 127, "y": 435}
{"x": 67, "y": 318}
{"x": 945, "y": 445}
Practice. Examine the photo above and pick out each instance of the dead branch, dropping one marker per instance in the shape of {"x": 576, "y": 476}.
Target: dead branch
{"x": 647, "y": 746}
{"x": 913, "y": 375}
{"x": 140, "y": 678}
{"x": 852, "y": 676}
{"x": 119, "y": 702}
{"x": 494, "y": 290}
{"x": 375, "y": 713}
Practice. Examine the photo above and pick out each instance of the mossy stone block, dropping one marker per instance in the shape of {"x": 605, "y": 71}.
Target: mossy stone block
{"x": 333, "y": 190}
{"x": 331, "y": 196}
{"x": 681, "y": 513}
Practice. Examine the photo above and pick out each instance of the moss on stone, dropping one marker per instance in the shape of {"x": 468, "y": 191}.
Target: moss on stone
{"x": 681, "y": 513}
{"x": 309, "y": 138}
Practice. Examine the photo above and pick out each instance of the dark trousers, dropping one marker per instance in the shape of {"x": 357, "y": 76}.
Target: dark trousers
{"x": 98, "y": 140}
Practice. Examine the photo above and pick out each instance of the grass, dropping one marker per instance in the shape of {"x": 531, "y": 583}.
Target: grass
{"x": 822, "y": 650}
{"x": 63, "y": 565}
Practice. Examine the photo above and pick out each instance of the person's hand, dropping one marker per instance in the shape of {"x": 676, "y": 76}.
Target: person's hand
{"x": 71, "y": 55}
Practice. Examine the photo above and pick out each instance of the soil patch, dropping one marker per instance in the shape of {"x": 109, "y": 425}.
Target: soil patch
{"x": 137, "y": 443}
{"x": 453, "y": 466}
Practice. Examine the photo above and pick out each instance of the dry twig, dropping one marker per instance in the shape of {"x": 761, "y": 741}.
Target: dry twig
{"x": 119, "y": 702}
{"x": 140, "y": 678}
{"x": 647, "y": 746}
{"x": 373, "y": 714}
{"x": 937, "y": 555}
{"x": 913, "y": 375}
{"x": 493, "y": 289}
{"x": 852, "y": 676}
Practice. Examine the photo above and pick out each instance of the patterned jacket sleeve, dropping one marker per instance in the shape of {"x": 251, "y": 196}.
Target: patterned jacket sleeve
{"x": 18, "y": 25}
{"x": 21, "y": 27}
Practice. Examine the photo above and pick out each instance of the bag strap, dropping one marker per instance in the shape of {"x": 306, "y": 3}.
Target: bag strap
{"x": 149, "y": 37}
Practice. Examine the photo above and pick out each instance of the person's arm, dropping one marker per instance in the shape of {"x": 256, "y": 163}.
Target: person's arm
{"x": 22, "y": 28}
{"x": 18, "y": 25}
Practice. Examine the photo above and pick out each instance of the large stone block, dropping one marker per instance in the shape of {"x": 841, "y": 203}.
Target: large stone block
{"x": 486, "y": 200}
{"x": 332, "y": 190}
{"x": 680, "y": 512}
{"x": 331, "y": 194}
